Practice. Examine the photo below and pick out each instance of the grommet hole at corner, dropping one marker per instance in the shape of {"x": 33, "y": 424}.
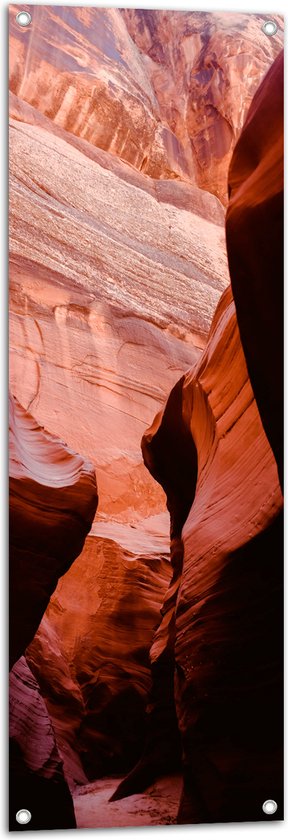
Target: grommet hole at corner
{"x": 23, "y": 18}
{"x": 23, "y": 816}
{"x": 269, "y": 807}
{"x": 270, "y": 27}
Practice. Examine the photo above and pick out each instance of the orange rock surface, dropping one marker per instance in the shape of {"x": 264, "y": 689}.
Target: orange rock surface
{"x": 120, "y": 146}
{"x": 167, "y": 92}
{"x": 222, "y": 622}
{"x": 107, "y": 273}
{"x": 101, "y": 90}
{"x": 204, "y": 68}
{"x": 256, "y": 203}
{"x": 90, "y": 654}
{"x": 53, "y": 499}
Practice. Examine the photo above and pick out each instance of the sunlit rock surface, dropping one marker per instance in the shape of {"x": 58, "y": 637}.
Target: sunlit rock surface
{"x": 204, "y": 68}
{"x": 166, "y": 92}
{"x": 80, "y": 67}
{"x": 91, "y": 653}
{"x": 112, "y": 288}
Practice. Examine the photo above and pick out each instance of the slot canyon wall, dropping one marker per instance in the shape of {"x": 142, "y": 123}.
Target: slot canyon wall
{"x": 122, "y": 128}
{"x": 221, "y": 634}
{"x": 53, "y": 499}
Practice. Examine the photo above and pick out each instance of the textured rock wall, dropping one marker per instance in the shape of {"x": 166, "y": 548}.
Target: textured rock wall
{"x": 222, "y": 625}
{"x": 80, "y": 67}
{"x": 53, "y": 499}
{"x": 167, "y": 92}
{"x": 91, "y": 653}
{"x": 256, "y": 203}
{"x": 98, "y": 256}
{"x": 36, "y": 770}
{"x": 204, "y": 68}
{"x": 114, "y": 279}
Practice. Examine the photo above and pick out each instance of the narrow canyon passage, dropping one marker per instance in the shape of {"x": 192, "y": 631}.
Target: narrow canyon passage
{"x": 145, "y": 448}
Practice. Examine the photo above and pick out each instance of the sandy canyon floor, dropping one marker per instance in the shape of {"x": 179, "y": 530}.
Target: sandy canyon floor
{"x": 157, "y": 806}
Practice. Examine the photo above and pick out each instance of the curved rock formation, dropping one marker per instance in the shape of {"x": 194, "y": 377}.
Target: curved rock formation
{"x": 91, "y": 653}
{"x": 225, "y": 651}
{"x": 36, "y": 770}
{"x": 204, "y": 69}
{"x": 222, "y": 624}
{"x": 114, "y": 279}
{"x": 53, "y": 500}
{"x": 256, "y": 203}
{"x": 97, "y": 252}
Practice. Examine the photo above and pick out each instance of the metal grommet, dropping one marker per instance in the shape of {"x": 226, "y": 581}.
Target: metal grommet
{"x": 23, "y": 18}
{"x": 23, "y": 816}
{"x": 269, "y": 807}
{"x": 270, "y": 27}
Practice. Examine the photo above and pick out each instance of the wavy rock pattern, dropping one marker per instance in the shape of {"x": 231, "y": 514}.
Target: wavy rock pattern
{"x": 222, "y": 622}
{"x": 95, "y": 332}
{"x": 264, "y": 255}
{"x": 90, "y": 654}
{"x": 93, "y": 323}
{"x": 36, "y": 771}
{"x": 228, "y": 657}
{"x": 53, "y": 499}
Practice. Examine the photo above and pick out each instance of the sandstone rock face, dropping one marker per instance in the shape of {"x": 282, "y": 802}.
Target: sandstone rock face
{"x": 224, "y": 585}
{"x": 101, "y": 308}
{"x": 256, "y": 203}
{"x": 100, "y": 91}
{"x": 91, "y": 653}
{"x": 53, "y": 499}
{"x": 222, "y": 624}
{"x": 171, "y": 99}
{"x": 36, "y": 770}
{"x": 109, "y": 268}
{"x": 204, "y": 68}
{"x": 117, "y": 265}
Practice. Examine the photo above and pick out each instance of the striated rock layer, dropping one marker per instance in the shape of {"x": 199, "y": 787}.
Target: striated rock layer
{"x": 36, "y": 770}
{"x": 165, "y": 91}
{"x": 222, "y": 625}
{"x": 91, "y": 653}
{"x": 53, "y": 499}
{"x": 80, "y": 67}
{"x": 114, "y": 278}
{"x": 108, "y": 269}
{"x": 204, "y": 68}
